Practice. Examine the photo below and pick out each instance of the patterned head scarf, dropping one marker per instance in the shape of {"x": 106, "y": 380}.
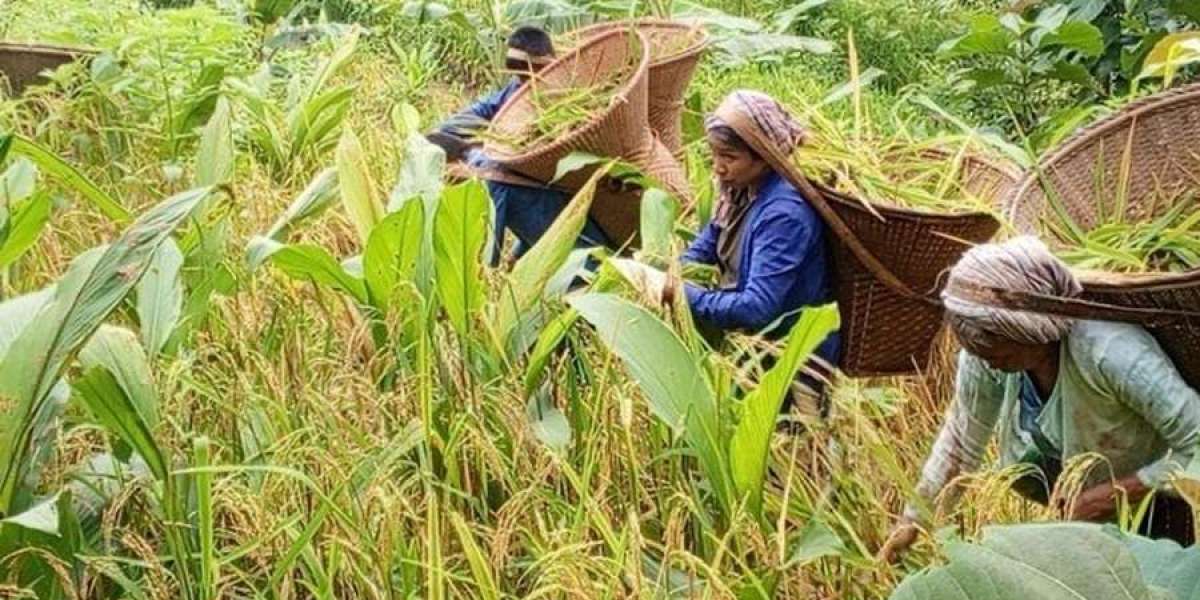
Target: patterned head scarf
{"x": 767, "y": 114}
{"x": 776, "y": 126}
{"x": 1022, "y": 264}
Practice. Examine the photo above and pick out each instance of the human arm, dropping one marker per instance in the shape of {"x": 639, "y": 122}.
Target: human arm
{"x": 703, "y": 249}
{"x": 1145, "y": 379}
{"x": 959, "y": 447}
{"x": 780, "y": 243}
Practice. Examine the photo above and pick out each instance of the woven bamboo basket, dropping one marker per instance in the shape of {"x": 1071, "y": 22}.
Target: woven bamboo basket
{"x": 23, "y": 65}
{"x": 985, "y": 178}
{"x": 669, "y": 74}
{"x": 1146, "y": 151}
{"x": 887, "y": 266}
{"x": 982, "y": 177}
{"x": 1166, "y": 304}
{"x": 891, "y": 329}
{"x": 622, "y": 131}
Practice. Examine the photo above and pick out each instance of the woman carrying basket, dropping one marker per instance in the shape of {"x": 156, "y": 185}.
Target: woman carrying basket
{"x": 767, "y": 242}
{"x": 1057, "y": 388}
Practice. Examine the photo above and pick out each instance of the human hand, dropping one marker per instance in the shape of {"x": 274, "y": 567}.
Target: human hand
{"x": 649, "y": 282}
{"x": 1099, "y": 502}
{"x": 902, "y": 536}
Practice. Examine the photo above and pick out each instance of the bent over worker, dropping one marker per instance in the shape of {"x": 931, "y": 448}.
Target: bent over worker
{"x": 527, "y": 210}
{"x": 1054, "y": 388}
{"x": 766, "y": 240}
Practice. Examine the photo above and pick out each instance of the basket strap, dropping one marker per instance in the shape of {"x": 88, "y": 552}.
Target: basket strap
{"x": 1077, "y": 308}
{"x": 749, "y": 132}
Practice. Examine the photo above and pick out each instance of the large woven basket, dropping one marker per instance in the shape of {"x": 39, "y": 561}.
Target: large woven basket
{"x": 890, "y": 329}
{"x": 622, "y": 131}
{"x": 1166, "y": 304}
{"x": 23, "y": 65}
{"x": 1147, "y": 151}
{"x": 669, "y": 74}
{"x": 887, "y": 266}
{"x": 982, "y": 177}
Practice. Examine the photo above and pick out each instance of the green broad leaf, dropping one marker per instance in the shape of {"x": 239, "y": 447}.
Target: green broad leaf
{"x": 671, "y": 379}
{"x": 95, "y": 284}
{"x": 986, "y": 36}
{"x": 56, "y": 168}
{"x": 659, "y": 211}
{"x": 817, "y": 540}
{"x": 337, "y": 61}
{"x": 1171, "y": 53}
{"x": 36, "y": 538}
{"x": 1072, "y": 73}
{"x": 1074, "y": 35}
{"x": 307, "y": 262}
{"x": 392, "y": 252}
{"x": 1165, "y": 564}
{"x": 116, "y": 350}
{"x": 420, "y": 173}
{"x": 216, "y": 155}
{"x": 549, "y": 424}
{"x": 18, "y": 181}
{"x": 985, "y": 78}
{"x": 25, "y": 223}
{"x": 534, "y": 270}
{"x": 751, "y": 439}
{"x": 112, "y": 408}
{"x": 574, "y": 162}
{"x": 460, "y": 232}
{"x": 18, "y": 313}
{"x": 1052, "y": 17}
{"x": 406, "y": 120}
{"x": 160, "y": 297}
{"x": 750, "y": 47}
{"x": 318, "y": 195}
{"x": 1034, "y": 562}
{"x": 548, "y": 342}
{"x": 358, "y": 191}
{"x": 1185, "y": 8}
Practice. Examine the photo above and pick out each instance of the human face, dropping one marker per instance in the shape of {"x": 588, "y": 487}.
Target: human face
{"x": 734, "y": 166}
{"x": 997, "y": 351}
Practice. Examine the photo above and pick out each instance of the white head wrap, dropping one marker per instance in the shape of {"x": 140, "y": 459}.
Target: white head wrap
{"x": 1022, "y": 264}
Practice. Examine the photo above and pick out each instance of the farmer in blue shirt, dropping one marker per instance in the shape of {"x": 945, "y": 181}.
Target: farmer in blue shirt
{"x": 767, "y": 242}
{"x": 526, "y": 210}
{"x": 529, "y": 50}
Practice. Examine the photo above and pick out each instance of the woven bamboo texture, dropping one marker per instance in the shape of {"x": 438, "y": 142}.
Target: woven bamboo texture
{"x": 1123, "y": 163}
{"x": 669, "y": 75}
{"x": 622, "y": 131}
{"x": 887, "y": 331}
{"x": 982, "y": 177}
{"x": 1179, "y": 337}
{"x": 23, "y": 64}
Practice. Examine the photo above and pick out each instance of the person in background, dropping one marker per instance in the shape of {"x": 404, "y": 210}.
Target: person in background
{"x": 526, "y": 210}
{"x": 529, "y": 50}
{"x": 1057, "y": 388}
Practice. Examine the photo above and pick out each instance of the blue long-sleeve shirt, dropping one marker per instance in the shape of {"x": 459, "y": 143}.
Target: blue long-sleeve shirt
{"x": 783, "y": 267}
{"x": 482, "y": 110}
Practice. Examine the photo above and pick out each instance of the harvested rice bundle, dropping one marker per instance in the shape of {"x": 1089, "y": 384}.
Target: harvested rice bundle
{"x": 938, "y": 175}
{"x": 1169, "y": 243}
{"x": 561, "y": 110}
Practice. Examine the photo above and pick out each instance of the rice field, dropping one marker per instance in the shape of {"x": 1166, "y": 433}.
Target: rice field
{"x": 250, "y": 347}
